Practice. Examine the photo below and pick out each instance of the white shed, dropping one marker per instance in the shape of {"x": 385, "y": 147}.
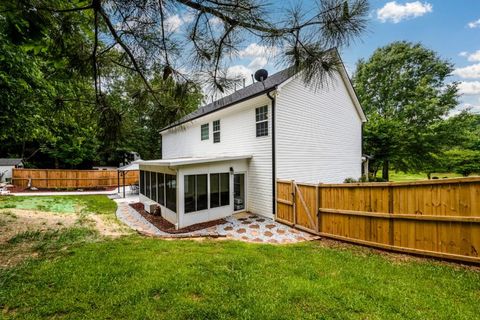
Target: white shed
{"x": 6, "y": 166}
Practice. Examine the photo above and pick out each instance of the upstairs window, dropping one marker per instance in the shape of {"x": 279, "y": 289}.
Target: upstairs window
{"x": 261, "y": 120}
{"x": 216, "y": 131}
{"x": 204, "y": 131}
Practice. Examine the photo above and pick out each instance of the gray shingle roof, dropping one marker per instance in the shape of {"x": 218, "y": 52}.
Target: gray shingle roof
{"x": 9, "y": 161}
{"x": 251, "y": 91}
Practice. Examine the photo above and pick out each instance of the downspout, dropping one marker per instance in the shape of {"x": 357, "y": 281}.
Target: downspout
{"x": 274, "y": 175}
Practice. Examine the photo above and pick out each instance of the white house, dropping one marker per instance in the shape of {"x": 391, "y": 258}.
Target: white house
{"x": 6, "y": 166}
{"x": 226, "y": 156}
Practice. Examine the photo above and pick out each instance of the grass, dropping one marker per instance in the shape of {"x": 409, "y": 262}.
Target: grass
{"x": 137, "y": 278}
{"x": 398, "y": 176}
{"x": 98, "y": 204}
{"x": 85, "y": 276}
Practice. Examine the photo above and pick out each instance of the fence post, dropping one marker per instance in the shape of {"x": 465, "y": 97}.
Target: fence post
{"x": 294, "y": 197}
{"x": 319, "y": 205}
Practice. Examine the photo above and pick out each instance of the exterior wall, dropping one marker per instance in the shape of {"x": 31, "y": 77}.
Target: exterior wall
{"x": 187, "y": 219}
{"x": 238, "y": 137}
{"x": 7, "y": 170}
{"x": 318, "y": 134}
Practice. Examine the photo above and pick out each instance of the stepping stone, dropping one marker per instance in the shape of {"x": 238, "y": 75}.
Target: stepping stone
{"x": 254, "y": 226}
{"x": 254, "y": 233}
{"x": 253, "y": 217}
{"x": 229, "y": 228}
{"x": 293, "y": 231}
{"x": 299, "y": 238}
{"x": 270, "y": 226}
{"x": 268, "y": 234}
{"x": 241, "y": 230}
{"x": 272, "y": 241}
{"x": 246, "y": 222}
{"x": 281, "y": 231}
{"x": 260, "y": 220}
{"x": 257, "y": 240}
{"x": 245, "y": 238}
{"x": 242, "y": 219}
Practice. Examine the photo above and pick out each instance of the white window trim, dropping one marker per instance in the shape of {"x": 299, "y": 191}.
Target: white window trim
{"x": 261, "y": 121}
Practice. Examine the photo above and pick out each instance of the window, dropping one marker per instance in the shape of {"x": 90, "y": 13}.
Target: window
{"x": 147, "y": 185}
{"x": 204, "y": 131}
{"x": 219, "y": 189}
{"x": 161, "y": 189}
{"x": 154, "y": 186}
{"x": 171, "y": 192}
{"x": 261, "y": 119}
{"x": 142, "y": 182}
{"x": 195, "y": 193}
{"x": 216, "y": 131}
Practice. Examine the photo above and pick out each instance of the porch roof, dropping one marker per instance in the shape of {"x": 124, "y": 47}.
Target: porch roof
{"x": 176, "y": 162}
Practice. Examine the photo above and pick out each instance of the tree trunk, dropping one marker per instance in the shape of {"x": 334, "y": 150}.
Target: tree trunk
{"x": 429, "y": 175}
{"x": 385, "y": 170}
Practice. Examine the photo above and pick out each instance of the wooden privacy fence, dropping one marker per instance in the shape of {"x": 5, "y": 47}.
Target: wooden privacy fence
{"x": 57, "y": 178}
{"x": 440, "y": 218}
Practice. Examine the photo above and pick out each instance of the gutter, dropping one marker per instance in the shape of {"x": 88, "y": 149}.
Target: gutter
{"x": 274, "y": 174}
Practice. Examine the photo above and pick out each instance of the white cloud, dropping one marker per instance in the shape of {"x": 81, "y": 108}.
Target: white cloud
{"x": 255, "y": 50}
{"x": 470, "y": 72}
{"x": 474, "y": 24}
{"x": 463, "y": 54}
{"x": 240, "y": 71}
{"x": 469, "y": 87}
{"x": 173, "y": 23}
{"x": 258, "y": 63}
{"x": 474, "y": 57}
{"x": 394, "y": 12}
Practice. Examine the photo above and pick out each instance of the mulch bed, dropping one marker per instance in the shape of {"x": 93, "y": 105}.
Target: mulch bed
{"x": 25, "y": 190}
{"x": 167, "y": 226}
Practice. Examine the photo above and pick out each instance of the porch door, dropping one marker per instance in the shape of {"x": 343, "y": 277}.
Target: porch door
{"x": 239, "y": 192}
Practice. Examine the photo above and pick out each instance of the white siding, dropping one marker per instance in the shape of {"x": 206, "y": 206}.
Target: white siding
{"x": 318, "y": 134}
{"x": 238, "y": 137}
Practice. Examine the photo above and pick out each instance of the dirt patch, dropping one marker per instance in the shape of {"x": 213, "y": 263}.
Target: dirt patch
{"x": 108, "y": 228}
{"x": 27, "y": 220}
{"x": 168, "y": 227}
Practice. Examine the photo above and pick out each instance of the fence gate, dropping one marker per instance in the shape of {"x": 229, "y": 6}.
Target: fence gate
{"x": 297, "y": 205}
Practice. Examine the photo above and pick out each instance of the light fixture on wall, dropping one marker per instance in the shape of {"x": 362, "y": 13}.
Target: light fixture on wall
{"x": 231, "y": 170}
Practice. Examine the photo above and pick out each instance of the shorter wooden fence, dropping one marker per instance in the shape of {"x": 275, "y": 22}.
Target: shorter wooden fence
{"x": 60, "y": 179}
{"x": 439, "y": 218}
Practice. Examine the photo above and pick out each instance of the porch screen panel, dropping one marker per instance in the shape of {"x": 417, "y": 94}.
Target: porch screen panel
{"x": 224, "y": 189}
{"x": 142, "y": 182}
{"x": 214, "y": 190}
{"x": 147, "y": 184}
{"x": 161, "y": 189}
{"x": 189, "y": 196}
{"x": 219, "y": 189}
{"x": 154, "y": 186}
{"x": 171, "y": 192}
{"x": 202, "y": 197}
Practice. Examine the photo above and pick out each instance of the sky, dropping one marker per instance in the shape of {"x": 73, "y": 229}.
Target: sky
{"x": 449, "y": 27}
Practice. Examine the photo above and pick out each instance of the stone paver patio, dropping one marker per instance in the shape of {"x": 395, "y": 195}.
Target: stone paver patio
{"x": 244, "y": 227}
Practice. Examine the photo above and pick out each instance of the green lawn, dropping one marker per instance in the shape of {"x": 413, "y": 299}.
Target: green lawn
{"x": 398, "y": 176}
{"x": 133, "y": 277}
{"x": 98, "y": 204}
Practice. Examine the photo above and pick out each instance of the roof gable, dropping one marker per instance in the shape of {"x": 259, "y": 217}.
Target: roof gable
{"x": 10, "y": 161}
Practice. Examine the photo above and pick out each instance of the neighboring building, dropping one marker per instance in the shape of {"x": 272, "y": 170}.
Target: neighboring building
{"x": 226, "y": 156}
{"x": 6, "y": 166}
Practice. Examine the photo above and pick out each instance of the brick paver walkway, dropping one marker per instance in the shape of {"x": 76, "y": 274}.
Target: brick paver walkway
{"x": 243, "y": 227}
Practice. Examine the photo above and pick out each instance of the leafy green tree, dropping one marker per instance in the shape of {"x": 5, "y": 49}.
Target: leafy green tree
{"x": 463, "y": 161}
{"x": 404, "y": 90}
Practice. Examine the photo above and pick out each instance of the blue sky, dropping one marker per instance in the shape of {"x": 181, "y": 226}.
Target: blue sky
{"x": 450, "y": 27}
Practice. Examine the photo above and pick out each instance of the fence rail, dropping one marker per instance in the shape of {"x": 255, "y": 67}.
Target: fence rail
{"x": 57, "y": 178}
{"x": 439, "y": 218}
